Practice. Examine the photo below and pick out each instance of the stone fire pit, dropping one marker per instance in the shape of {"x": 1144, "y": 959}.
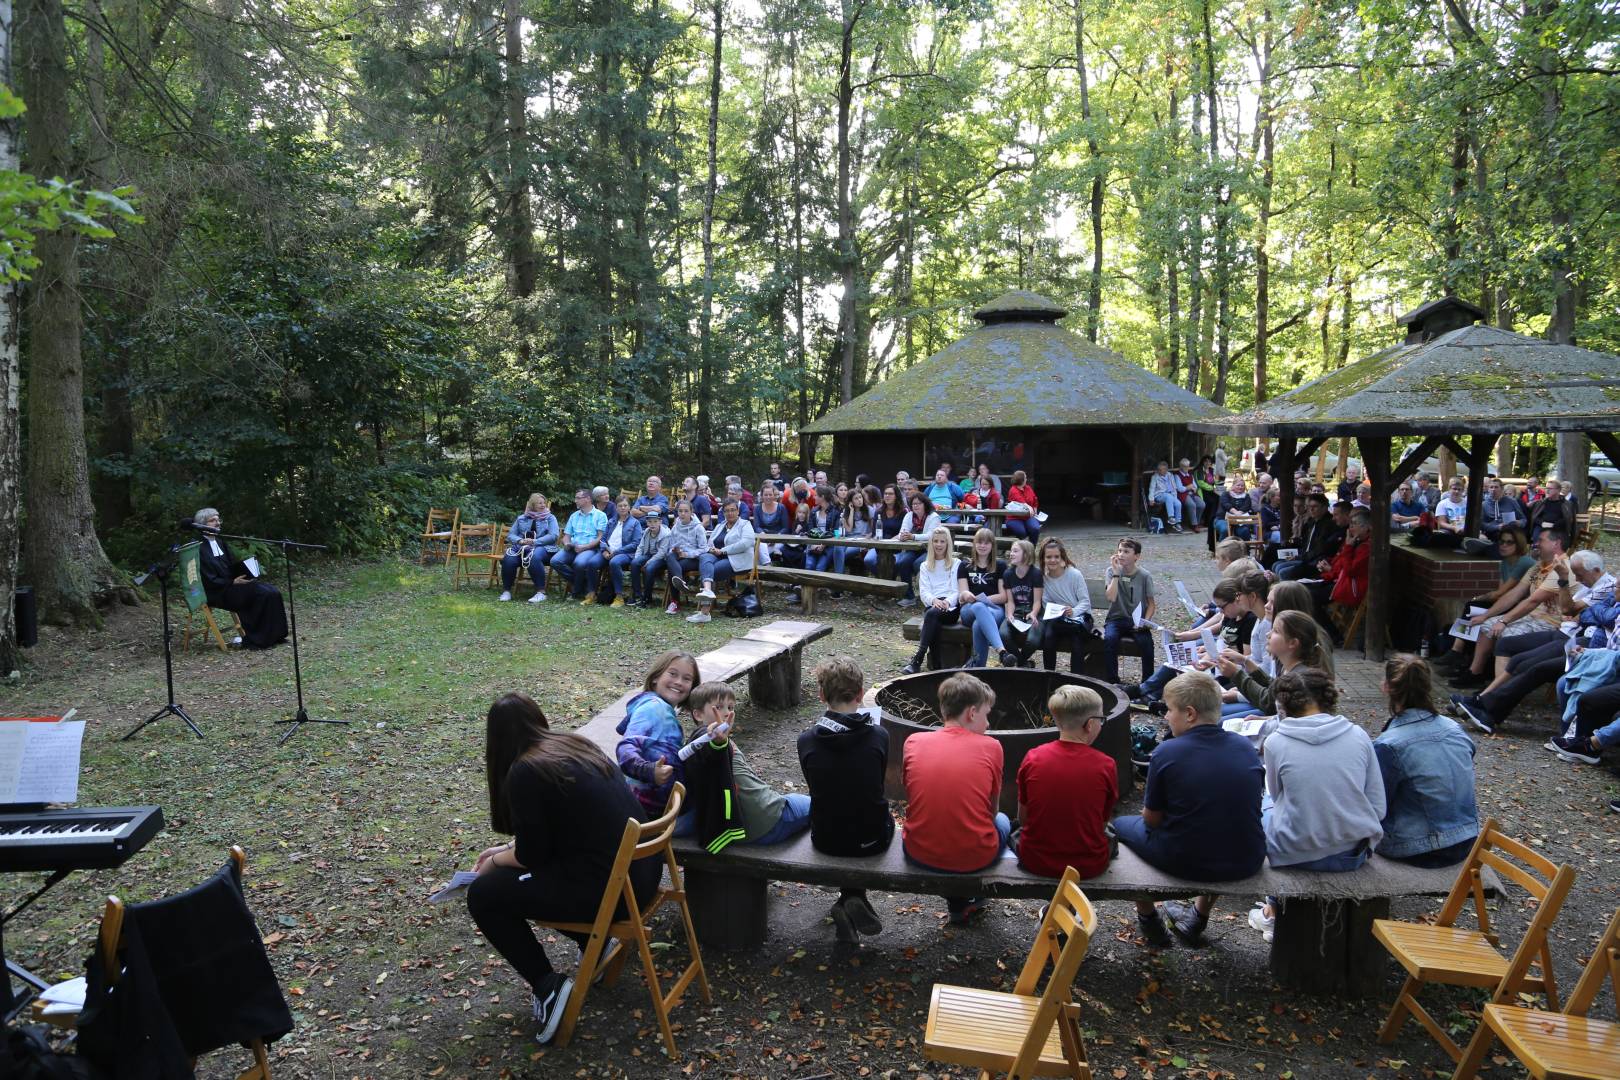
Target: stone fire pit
{"x": 1019, "y": 721}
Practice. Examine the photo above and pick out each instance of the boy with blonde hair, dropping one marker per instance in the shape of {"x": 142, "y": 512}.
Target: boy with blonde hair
{"x": 953, "y": 782}
{"x": 1066, "y": 789}
{"x": 845, "y": 755}
{"x": 1200, "y": 814}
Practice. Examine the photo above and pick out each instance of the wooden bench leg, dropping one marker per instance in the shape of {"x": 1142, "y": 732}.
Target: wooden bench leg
{"x": 807, "y": 599}
{"x": 1327, "y": 947}
{"x": 728, "y": 912}
{"x": 775, "y": 683}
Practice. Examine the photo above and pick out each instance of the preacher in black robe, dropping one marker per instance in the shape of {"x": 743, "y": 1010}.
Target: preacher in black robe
{"x": 230, "y": 586}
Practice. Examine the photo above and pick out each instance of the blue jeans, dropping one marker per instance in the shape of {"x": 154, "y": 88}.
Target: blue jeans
{"x": 1153, "y": 686}
{"x": 1022, "y": 528}
{"x": 537, "y": 569}
{"x": 840, "y": 557}
{"x": 1003, "y": 830}
{"x": 587, "y": 563}
{"x": 1019, "y": 642}
{"x": 1114, "y": 630}
{"x": 818, "y": 560}
{"x": 984, "y": 620}
{"x": 678, "y": 567}
{"x": 644, "y": 575}
{"x": 616, "y": 569}
{"x": 794, "y": 820}
{"x": 1172, "y": 507}
{"x": 715, "y": 568}
{"x": 905, "y": 569}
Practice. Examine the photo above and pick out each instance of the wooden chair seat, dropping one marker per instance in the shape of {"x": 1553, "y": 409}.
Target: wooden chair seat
{"x": 1566, "y": 1045}
{"x": 1556, "y": 1045}
{"x": 1464, "y": 956}
{"x": 969, "y": 1026}
{"x": 440, "y": 529}
{"x": 1022, "y": 1033}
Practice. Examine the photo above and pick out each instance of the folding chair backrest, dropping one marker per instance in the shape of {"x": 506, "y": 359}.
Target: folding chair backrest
{"x": 1605, "y": 964}
{"x": 208, "y": 961}
{"x": 1061, "y": 941}
{"x": 1497, "y": 850}
{"x": 441, "y": 520}
{"x": 475, "y": 539}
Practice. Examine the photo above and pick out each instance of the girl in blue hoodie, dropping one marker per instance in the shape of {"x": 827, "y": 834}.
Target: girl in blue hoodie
{"x": 651, "y": 729}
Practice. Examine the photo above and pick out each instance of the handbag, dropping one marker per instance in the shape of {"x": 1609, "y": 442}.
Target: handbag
{"x": 745, "y": 605}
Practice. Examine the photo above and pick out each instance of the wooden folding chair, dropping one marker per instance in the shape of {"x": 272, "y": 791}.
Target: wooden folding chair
{"x": 107, "y": 943}
{"x": 209, "y": 628}
{"x": 477, "y": 544}
{"x": 609, "y": 938}
{"x": 1559, "y": 1044}
{"x": 440, "y": 529}
{"x": 1014, "y": 1032}
{"x": 1448, "y": 954}
{"x": 1256, "y": 543}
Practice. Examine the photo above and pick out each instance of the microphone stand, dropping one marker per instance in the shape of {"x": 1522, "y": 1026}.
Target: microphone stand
{"x": 301, "y": 717}
{"x": 161, "y": 570}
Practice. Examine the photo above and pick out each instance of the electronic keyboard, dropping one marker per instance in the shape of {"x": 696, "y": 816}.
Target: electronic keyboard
{"x": 78, "y": 838}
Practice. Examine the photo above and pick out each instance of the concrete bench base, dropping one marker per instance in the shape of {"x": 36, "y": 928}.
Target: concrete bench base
{"x": 1322, "y": 941}
{"x": 811, "y": 582}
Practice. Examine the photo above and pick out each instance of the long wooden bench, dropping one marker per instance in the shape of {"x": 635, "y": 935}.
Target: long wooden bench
{"x": 956, "y": 640}
{"x": 811, "y": 582}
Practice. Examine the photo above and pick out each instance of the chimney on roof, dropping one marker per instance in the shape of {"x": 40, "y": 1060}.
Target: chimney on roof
{"x": 1438, "y": 317}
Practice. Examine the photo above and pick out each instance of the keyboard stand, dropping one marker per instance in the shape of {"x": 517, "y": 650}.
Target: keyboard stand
{"x": 11, "y": 1005}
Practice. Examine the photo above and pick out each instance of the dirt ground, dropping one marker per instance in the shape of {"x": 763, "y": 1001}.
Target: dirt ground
{"x": 349, "y": 828}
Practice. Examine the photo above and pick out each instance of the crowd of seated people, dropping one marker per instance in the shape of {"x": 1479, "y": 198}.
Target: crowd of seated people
{"x": 619, "y": 552}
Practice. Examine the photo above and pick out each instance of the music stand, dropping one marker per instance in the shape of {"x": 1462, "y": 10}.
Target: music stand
{"x": 161, "y": 570}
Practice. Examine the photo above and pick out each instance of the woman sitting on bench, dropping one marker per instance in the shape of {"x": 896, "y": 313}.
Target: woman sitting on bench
{"x": 936, "y": 583}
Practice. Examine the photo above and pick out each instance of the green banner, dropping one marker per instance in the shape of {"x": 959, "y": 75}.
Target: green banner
{"x": 191, "y": 583}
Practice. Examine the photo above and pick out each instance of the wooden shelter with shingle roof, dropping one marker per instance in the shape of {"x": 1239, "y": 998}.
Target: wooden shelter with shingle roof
{"x": 1020, "y": 392}
{"x": 1449, "y": 380}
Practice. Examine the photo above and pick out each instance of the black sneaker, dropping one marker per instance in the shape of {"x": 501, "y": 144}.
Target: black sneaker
{"x": 1475, "y": 713}
{"x": 843, "y": 925}
{"x": 1151, "y": 927}
{"x": 1158, "y": 708}
{"x": 550, "y": 1000}
{"x": 911, "y": 668}
{"x": 1578, "y": 749}
{"x": 681, "y": 585}
{"x": 1008, "y": 658}
{"x": 1132, "y": 690}
{"x": 862, "y": 917}
{"x": 1614, "y": 804}
{"x": 1183, "y": 917}
{"x": 968, "y": 911}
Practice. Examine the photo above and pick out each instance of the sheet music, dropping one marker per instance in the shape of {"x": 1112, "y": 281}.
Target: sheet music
{"x": 1193, "y": 609}
{"x": 1052, "y": 611}
{"x": 1211, "y": 649}
{"x": 39, "y": 761}
{"x": 1181, "y": 655}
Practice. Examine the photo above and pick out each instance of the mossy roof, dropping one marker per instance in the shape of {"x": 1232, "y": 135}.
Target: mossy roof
{"x": 1020, "y": 369}
{"x": 1476, "y": 379}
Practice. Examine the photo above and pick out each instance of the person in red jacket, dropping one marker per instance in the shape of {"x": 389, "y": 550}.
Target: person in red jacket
{"x": 1023, "y": 526}
{"x": 1344, "y": 577}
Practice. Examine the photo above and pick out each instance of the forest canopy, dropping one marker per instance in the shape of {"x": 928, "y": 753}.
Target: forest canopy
{"x": 391, "y": 254}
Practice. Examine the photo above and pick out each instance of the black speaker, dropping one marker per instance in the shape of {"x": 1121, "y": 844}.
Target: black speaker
{"x": 26, "y": 612}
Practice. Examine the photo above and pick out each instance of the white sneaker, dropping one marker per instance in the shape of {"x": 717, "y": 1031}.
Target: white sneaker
{"x": 702, "y": 616}
{"x": 504, "y": 596}
{"x": 673, "y": 609}
{"x": 539, "y": 597}
{"x": 1262, "y": 922}
{"x": 706, "y": 593}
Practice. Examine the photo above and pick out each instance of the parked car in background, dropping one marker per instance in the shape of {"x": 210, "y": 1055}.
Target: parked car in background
{"x": 1602, "y": 478}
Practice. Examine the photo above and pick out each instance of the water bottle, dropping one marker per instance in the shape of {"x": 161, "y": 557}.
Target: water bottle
{"x": 1423, "y": 648}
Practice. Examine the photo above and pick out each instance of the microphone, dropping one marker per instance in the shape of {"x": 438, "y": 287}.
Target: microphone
{"x": 685, "y": 753}
{"x": 188, "y": 525}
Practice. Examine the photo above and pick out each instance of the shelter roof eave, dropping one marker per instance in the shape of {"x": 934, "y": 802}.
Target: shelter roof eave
{"x": 1315, "y": 429}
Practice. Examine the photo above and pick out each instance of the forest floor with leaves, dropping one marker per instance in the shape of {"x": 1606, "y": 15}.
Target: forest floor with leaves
{"x": 348, "y": 829}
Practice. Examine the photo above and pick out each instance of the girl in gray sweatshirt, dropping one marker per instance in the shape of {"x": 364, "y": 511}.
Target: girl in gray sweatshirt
{"x": 1322, "y": 778}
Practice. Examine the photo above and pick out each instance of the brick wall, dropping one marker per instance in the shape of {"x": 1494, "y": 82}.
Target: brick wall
{"x": 1439, "y": 579}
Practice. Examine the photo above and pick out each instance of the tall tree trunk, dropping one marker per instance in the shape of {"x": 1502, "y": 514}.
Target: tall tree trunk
{"x": 519, "y": 218}
{"x": 846, "y": 213}
{"x": 806, "y": 441}
{"x": 10, "y": 382}
{"x": 1266, "y": 130}
{"x": 705, "y": 418}
{"x": 1217, "y": 332}
{"x": 1572, "y": 447}
{"x": 1098, "y": 169}
{"x": 64, "y": 561}
{"x": 1195, "y": 257}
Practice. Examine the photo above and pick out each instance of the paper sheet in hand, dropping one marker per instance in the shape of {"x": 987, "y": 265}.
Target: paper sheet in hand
{"x": 1052, "y": 611}
{"x": 253, "y": 567}
{"x": 458, "y": 881}
{"x": 1288, "y": 553}
{"x": 1249, "y": 728}
{"x": 1019, "y": 625}
{"x": 39, "y": 760}
{"x": 1041, "y": 517}
{"x": 1211, "y": 648}
{"x": 1180, "y": 655}
{"x": 1187, "y": 601}
{"x": 1462, "y": 631}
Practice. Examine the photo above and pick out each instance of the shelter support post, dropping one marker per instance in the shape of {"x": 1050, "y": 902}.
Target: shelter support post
{"x": 1375, "y": 456}
{"x": 1282, "y": 475}
{"x": 1478, "y": 459}
{"x": 1134, "y": 440}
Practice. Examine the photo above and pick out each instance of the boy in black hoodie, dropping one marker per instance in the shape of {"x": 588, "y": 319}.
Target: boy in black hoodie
{"x": 844, "y": 756}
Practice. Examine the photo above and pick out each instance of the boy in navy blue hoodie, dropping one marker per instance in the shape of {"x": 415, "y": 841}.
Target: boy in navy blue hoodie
{"x": 844, "y": 756}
